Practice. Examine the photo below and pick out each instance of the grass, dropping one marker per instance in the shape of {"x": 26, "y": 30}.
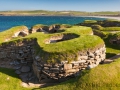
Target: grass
{"x": 111, "y": 29}
{"x": 9, "y": 80}
{"x": 7, "y": 34}
{"x": 38, "y": 26}
{"x": 90, "y": 21}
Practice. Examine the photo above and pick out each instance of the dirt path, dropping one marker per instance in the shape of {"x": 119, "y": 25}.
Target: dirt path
{"x": 112, "y": 59}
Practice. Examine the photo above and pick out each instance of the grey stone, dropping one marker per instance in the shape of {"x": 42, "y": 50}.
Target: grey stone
{"x": 25, "y": 69}
{"x": 17, "y": 67}
{"x": 17, "y": 72}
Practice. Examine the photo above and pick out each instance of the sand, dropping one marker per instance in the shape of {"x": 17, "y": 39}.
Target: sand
{"x": 116, "y": 18}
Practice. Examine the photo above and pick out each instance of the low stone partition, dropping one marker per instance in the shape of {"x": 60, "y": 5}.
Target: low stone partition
{"x": 86, "y": 60}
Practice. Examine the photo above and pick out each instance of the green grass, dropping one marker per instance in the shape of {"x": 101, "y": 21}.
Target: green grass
{"x": 90, "y": 21}
{"x": 37, "y": 26}
{"x": 9, "y": 80}
{"x": 7, "y": 34}
{"x": 51, "y": 52}
{"x": 111, "y": 29}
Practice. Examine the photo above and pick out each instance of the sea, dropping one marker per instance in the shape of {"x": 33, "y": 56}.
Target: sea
{"x": 7, "y": 22}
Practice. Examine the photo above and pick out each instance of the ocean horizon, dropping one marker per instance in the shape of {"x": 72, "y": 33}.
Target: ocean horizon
{"x": 7, "y": 22}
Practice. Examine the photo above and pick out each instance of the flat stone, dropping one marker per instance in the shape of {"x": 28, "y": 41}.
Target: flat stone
{"x": 91, "y": 54}
{"x": 67, "y": 66}
{"x": 25, "y": 69}
{"x": 24, "y": 84}
{"x": 17, "y": 72}
{"x": 83, "y": 57}
{"x": 91, "y": 66}
{"x": 72, "y": 70}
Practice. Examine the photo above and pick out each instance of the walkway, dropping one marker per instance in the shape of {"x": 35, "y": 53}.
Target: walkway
{"x": 112, "y": 59}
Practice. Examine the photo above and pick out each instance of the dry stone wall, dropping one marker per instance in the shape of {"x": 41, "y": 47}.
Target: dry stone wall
{"x": 21, "y": 57}
{"x": 58, "y": 71}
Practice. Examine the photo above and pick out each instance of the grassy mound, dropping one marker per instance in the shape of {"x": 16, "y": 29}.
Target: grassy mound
{"x": 90, "y": 21}
{"x": 37, "y": 26}
{"x": 111, "y": 29}
{"x": 65, "y": 50}
{"x": 10, "y": 32}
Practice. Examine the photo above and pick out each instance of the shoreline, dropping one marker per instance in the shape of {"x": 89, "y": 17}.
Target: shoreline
{"x": 107, "y": 17}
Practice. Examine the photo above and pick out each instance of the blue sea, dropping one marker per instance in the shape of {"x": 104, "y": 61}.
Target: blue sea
{"x": 7, "y": 22}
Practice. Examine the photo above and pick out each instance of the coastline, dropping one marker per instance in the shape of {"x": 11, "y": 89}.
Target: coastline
{"x": 107, "y": 17}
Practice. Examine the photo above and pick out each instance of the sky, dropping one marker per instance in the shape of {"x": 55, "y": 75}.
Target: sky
{"x": 60, "y": 5}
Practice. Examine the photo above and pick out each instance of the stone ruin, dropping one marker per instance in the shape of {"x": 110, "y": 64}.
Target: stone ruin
{"x": 30, "y": 67}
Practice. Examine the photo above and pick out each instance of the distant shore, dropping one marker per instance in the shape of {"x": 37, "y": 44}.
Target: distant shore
{"x": 107, "y": 17}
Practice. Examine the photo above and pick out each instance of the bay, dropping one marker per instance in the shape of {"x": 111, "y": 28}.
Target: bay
{"x": 7, "y": 22}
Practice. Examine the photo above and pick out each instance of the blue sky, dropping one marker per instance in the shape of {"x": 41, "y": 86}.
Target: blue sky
{"x": 58, "y": 5}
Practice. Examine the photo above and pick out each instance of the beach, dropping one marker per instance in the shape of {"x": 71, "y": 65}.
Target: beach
{"x": 107, "y": 17}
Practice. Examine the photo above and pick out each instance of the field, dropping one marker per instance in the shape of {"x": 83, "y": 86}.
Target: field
{"x": 68, "y": 13}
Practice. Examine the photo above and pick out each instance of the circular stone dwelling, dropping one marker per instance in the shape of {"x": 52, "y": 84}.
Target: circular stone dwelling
{"x": 65, "y": 54}
{"x": 50, "y": 56}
